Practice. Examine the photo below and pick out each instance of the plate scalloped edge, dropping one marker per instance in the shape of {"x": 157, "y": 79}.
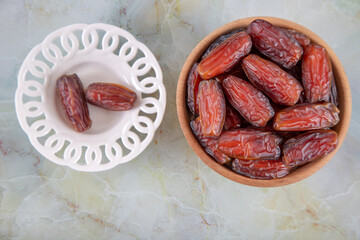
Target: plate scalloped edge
{"x": 78, "y": 151}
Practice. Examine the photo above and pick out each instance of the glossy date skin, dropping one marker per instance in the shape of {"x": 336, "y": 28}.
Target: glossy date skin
{"x": 249, "y": 144}
{"x": 308, "y": 147}
{"x": 316, "y": 74}
{"x": 110, "y": 96}
{"x": 71, "y": 94}
{"x": 260, "y": 169}
{"x": 232, "y": 118}
{"x": 220, "y": 40}
{"x": 212, "y": 107}
{"x": 193, "y": 82}
{"x": 251, "y": 103}
{"x": 208, "y": 143}
{"x": 306, "y": 116}
{"x": 275, "y": 43}
{"x": 277, "y": 84}
{"x": 225, "y": 56}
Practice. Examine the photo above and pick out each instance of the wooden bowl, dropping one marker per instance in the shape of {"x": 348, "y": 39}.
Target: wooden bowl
{"x": 303, "y": 172}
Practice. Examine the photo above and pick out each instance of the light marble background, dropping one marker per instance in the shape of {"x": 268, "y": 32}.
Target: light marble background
{"x": 168, "y": 192}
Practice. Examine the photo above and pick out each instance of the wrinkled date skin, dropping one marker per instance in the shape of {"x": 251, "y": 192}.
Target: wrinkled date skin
{"x": 275, "y": 43}
{"x": 225, "y": 56}
{"x": 249, "y": 144}
{"x": 110, "y": 96}
{"x": 308, "y": 147}
{"x": 316, "y": 74}
{"x": 260, "y": 169}
{"x": 208, "y": 143}
{"x": 193, "y": 82}
{"x": 71, "y": 93}
{"x": 212, "y": 107}
{"x": 220, "y": 40}
{"x": 306, "y": 116}
{"x": 301, "y": 38}
{"x": 277, "y": 84}
{"x": 251, "y": 103}
{"x": 232, "y": 118}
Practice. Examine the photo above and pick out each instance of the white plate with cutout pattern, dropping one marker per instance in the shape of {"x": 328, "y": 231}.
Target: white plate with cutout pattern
{"x": 96, "y": 53}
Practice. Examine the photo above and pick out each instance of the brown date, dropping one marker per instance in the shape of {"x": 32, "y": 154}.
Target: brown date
{"x": 260, "y": 169}
{"x": 193, "y": 82}
{"x": 316, "y": 74}
{"x": 251, "y": 103}
{"x": 306, "y": 116}
{"x": 212, "y": 107}
{"x": 301, "y": 38}
{"x": 71, "y": 93}
{"x": 110, "y": 96}
{"x": 208, "y": 143}
{"x": 220, "y": 40}
{"x": 232, "y": 118}
{"x": 225, "y": 56}
{"x": 308, "y": 147}
{"x": 275, "y": 43}
{"x": 249, "y": 144}
{"x": 277, "y": 84}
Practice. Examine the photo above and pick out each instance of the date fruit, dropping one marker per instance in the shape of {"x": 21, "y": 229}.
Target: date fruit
{"x": 208, "y": 143}
{"x": 212, "y": 107}
{"x": 251, "y": 103}
{"x": 308, "y": 147}
{"x": 110, "y": 96}
{"x": 232, "y": 118}
{"x": 260, "y": 169}
{"x": 301, "y": 38}
{"x": 193, "y": 82}
{"x": 71, "y": 93}
{"x": 316, "y": 74}
{"x": 275, "y": 43}
{"x": 277, "y": 84}
{"x": 249, "y": 144}
{"x": 225, "y": 56}
{"x": 306, "y": 116}
{"x": 220, "y": 40}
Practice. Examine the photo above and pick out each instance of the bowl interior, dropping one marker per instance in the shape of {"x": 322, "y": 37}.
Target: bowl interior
{"x": 305, "y": 171}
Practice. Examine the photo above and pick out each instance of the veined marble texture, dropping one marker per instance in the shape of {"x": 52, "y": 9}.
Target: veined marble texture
{"x": 168, "y": 192}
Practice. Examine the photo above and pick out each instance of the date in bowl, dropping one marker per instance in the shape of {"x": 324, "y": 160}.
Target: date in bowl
{"x": 297, "y": 174}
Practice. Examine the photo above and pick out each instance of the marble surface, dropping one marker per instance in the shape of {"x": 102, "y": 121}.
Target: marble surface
{"x": 168, "y": 192}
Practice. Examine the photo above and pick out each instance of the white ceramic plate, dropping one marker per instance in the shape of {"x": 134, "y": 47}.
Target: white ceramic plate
{"x": 96, "y": 53}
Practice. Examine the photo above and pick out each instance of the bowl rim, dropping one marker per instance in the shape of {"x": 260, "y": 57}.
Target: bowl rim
{"x": 303, "y": 172}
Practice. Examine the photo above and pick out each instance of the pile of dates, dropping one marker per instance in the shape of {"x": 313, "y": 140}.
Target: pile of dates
{"x": 263, "y": 101}
{"x": 74, "y": 99}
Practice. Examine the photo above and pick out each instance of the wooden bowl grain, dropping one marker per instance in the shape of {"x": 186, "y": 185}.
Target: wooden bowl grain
{"x": 303, "y": 172}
